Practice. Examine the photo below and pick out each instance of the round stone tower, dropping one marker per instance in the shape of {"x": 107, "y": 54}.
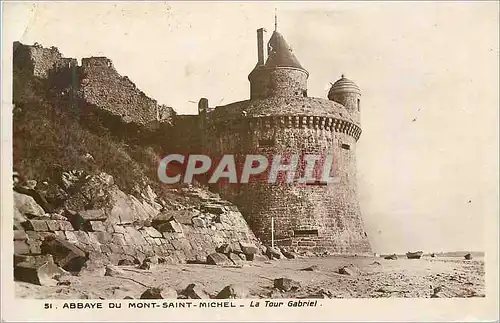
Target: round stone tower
{"x": 280, "y": 119}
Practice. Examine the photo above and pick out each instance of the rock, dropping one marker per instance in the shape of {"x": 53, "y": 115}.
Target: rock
{"x": 286, "y": 284}
{"x": 65, "y": 254}
{"x": 128, "y": 297}
{"x": 126, "y": 262}
{"x": 376, "y": 263}
{"x": 236, "y": 259}
{"x": 21, "y": 247}
{"x": 39, "y": 270}
{"x": 433, "y": 255}
{"x": 170, "y": 226}
{"x": 391, "y": 257}
{"x": 36, "y": 225}
{"x": 94, "y": 226}
{"x": 20, "y": 235}
{"x": 248, "y": 249}
{"x": 468, "y": 256}
{"x": 146, "y": 265}
{"x": 273, "y": 253}
{"x": 113, "y": 271}
{"x": 93, "y": 215}
{"x": 153, "y": 259}
{"x": 275, "y": 294}
{"x": 225, "y": 249}
{"x": 233, "y": 291}
{"x": 350, "y": 270}
{"x": 288, "y": 254}
{"x": 26, "y": 205}
{"x": 159, "y": 293}
{"x": 236, "y": 248}
{"x": 310, "y": 268}
{"x": 75, "y": 219}
{"x": 93, "y": 269}
{"x": 218, "y": 259}
{"x": 193, "y": 291}
{"x": 309, "y": 254}
{"x": 198, "y": 222}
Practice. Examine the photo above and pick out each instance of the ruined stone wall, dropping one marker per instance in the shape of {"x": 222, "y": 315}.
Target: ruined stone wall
{"x": 104, "y": 87}
{"x": 289, "y": 82}
{"x": 332, "y": 210}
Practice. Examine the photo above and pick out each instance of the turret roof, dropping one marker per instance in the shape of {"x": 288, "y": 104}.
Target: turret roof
{"x": 280, "y": 54}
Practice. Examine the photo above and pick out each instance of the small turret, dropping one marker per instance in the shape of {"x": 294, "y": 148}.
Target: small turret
{"x": 347, "y": 93}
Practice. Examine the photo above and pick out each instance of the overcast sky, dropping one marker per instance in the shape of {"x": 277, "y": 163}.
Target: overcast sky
{"x": 428, "y": 72}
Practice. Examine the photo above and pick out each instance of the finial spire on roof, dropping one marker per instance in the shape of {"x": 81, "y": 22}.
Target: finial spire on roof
{"x": 275, "y": 20}
{"x": 342, "y": 76}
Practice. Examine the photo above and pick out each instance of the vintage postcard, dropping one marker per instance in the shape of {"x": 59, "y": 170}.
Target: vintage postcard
{"x": 250, "y": 161}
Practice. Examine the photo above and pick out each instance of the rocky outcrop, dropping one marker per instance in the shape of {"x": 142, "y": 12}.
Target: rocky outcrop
{"x": 98, "y": 220}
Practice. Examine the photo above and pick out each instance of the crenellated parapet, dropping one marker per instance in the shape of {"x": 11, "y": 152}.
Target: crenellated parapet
{"x": 281, "y": 122}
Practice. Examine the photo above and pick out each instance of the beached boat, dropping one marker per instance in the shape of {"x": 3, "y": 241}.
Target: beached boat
{"x": 414, "y": 255}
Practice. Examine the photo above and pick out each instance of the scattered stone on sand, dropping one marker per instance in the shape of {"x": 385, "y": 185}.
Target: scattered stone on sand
{"x": 194, "y": 291}
{"x": 65, "y": 254}
{"x": 310, "y": 268}
{"x": 113, "y": 271}
{"x": 39, "y": 270}
{"x": 159, "y": 293}
{"x": 233, "y": 291}
{"x": 286, "y": 284}
{"x": 350, "y": 270}
{"x": 218, "y": 259}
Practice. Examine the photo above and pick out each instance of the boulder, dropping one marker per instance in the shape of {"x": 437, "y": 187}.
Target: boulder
{"x": 93, "y": 215}
{"x": 21, "y": 247}
{"x": 26, "y": 205}
{"x": 193, "y": 291}
{"x": 113, "y": 271}
{"x": 36, "y": 225}
{"x": 274, "y": 253}
{"x": 288, "y": 254}
{"x": 310, "y": 268}
{"x": 225, "y": 249}
{"x": 350, "y": 270}
{"x": 286, "y": 284}
{"x": 159, "y": 293}
{"x": 468, "y": 256}
{"x": 169, "y": 226}
{"x": 39, "y": 270}
{"x": 236, "y": 259}
{"x": 126, "y": 262}
{"x": 155, "y": 260}
{"x": 256, "y": 257}
{"x": 233, "y": 291}
{"x": 146, "y": 265}
{"x": 391, "y": 257}
{"x": 218, "y": 259}
{"x": 248, "y": 249}
{"x": 65, "y": 254}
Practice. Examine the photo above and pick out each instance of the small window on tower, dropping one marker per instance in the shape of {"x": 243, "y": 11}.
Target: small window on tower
{"x": 359, "y": 103}
{"x": 346, "y": 147}
{"x": 266, "y": 142}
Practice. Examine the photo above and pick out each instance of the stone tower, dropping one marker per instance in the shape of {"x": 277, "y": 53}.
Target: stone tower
{"x": 280, "y": 118}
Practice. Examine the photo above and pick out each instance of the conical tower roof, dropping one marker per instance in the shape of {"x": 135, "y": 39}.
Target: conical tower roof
{"x": 280, "y": 54}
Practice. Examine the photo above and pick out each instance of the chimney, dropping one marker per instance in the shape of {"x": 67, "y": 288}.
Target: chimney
{"x": 260, "y": 46}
